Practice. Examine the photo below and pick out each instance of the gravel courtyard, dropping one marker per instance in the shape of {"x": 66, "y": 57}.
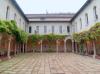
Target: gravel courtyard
{"x": 50, "y": 63}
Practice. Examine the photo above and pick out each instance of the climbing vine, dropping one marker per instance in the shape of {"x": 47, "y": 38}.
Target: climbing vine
{"x": 92, "y": 34}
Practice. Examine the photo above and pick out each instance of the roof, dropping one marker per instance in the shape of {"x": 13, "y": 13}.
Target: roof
{"x": 50, "y": 17}
{"x": 41, "y": 17}
{"x": 82, "y": 8}
{"x": 19, "y": 9}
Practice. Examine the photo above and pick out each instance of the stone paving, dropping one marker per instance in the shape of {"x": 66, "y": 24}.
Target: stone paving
{"x": 50, "y": 63}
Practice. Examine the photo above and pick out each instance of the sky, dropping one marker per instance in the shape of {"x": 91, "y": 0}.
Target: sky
{"x": 50, "y": 6}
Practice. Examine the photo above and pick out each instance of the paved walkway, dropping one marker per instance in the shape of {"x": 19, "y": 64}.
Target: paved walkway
{"x": 50, "y": 63}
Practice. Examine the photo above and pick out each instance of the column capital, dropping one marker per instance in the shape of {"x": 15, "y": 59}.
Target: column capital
{"x": 10, "y": 38}
{"x": 73, "y": 40}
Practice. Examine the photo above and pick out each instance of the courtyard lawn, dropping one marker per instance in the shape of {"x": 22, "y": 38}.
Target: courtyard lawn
{"x": 50, "y": 63}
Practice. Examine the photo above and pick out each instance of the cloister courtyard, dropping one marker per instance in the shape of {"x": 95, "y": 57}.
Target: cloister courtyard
{"x": 50, "y": 63}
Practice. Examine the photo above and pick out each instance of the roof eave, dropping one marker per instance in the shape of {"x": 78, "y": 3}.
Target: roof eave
{"x": 81, "y": 9}
{"x": 19, "y": 9}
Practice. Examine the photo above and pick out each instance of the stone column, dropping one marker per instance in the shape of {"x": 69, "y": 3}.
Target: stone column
{"x": 65, "y": 49}
{"x": 23, "y": 47}
{"x": 26, "y": 47}
{"x": 20, "y": 48}
{"x": 73, "y": 46}
{"x": 41, "y": 46}
{"x": 15, "y": 50}
{"x": 8, "y": 52}
{"x": 57, "y": 42}
{"x": 0, "y": 40}
{"x": 94, "y": 50}
{"x": 76, "y": 47}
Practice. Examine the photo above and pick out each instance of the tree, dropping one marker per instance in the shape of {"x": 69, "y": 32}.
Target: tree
{"x": 91, "y": 35}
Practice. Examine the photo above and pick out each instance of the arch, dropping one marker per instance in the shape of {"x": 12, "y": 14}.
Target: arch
{"x": 49, "y": 46}
{"x": 69, "y": 45}
{"x": 69, "y": 37}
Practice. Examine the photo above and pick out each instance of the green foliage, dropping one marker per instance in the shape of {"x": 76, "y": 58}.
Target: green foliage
{"x": 76, "y": 37}
{"x": 92, "y": 34}
{"x": 11, "y": 28}
{"x": 49, "y": 37}
{"x": 95, "y": 31}
{"x": 23, "y": 36}
{"x": 3, "y": 27}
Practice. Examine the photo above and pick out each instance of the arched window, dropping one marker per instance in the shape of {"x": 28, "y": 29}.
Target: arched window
{"x": 45, "y": 29}
{"x": 7, "y": 12}
{"x": 53, "y": 29}
{"x": 15, "y": 16}
{"x": 86, "y": 18}
{"x": 95, "y": 12}
{"x": 60, "y": 29}
{"x": 68, "y": 29}
{"x": 20, "y": 21}
{"x": 80, "y": 23}
{"x": 37, "y": 29}
{"x": 30, "y": 29}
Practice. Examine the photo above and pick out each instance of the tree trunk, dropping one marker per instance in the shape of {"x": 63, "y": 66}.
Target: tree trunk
{"x": 94, "y": 49}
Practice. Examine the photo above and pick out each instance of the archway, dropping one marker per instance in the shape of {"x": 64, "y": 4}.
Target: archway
{"x": 61, "y": 46}
{"x": 69, "y": 45}
{"x": 49, "y": 46}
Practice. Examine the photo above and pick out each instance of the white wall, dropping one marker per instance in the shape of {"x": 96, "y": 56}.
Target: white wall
{"x": 89, "y": 11}
{"x": 49, "y": 27}
{"x": 13, "y": 10}
{"x": 75, "y": 23}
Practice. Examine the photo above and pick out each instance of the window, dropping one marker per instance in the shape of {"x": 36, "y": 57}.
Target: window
{"x": 15, "y": 16}
{"x": 30, "y": 29}
{"x": 68, "y": 29}
{"x": 60, "y": 29}
{"x": 80, "y": 23}
{"x": 7, "y": 13}
{"x": 45, "y": 29}
{"x": 37, "y": 29}
{"x": 95, "y": 12}
{"x": 76, "y": 27}
{"x": 86, "y": 17}
{"x": 20, "y": 21}
{"x": 52, "y": 29}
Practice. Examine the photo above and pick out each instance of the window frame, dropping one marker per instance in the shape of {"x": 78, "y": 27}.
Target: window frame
{"x": 81, "y": 26}
{"x": 30, "y": 29}
{"x": 95, "y": 13}
{"x": 86, "y": 19}
{"x": 37, "y": 29}
{"x": 68, "y": 29}
{"x": 7, "y": 12}
{"x": 53, "y": 29}
{"x": 45, "y": 29}
{"x": 60, "y": 29}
